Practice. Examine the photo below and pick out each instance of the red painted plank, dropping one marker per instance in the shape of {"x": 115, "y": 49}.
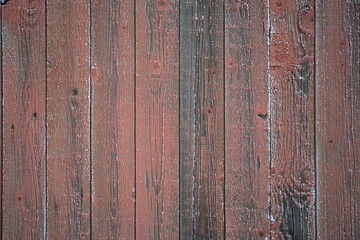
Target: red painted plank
{"x": 246, "y": 120}
{"x": 338, "y": 119}
{"x": 112, "y": 74}
{"x": 68, "y": 116}
{"x": 23, "y": 39}
{"x": 201, "y": 120}
{"x": 292, "y": 119}
{"x": 157, "y": 119}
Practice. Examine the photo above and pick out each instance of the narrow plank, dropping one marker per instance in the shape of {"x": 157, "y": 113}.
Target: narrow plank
{"x": 1, "y": 123}
{"x": 247, "y": 120}
{"x": 201, "y": 120}
{"x": 68, "y": 116}
{"x": 112, "y": 74}
{"x": 157, "y": 119}
{"x": 23, "y": 39}
{"x": 292, "y": 119}
{"x": 338, "y": 119}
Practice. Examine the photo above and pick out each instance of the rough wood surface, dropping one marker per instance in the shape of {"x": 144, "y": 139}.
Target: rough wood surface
{"x": 292, "y": 25}
{"x": 180, "y": 119}
{"x": 246, "y": 119}
{"x": 112, "y": 74}
{"x": 68, "y": 119}
{"x": 338, "y": 119}
{"x": 157, "y": 119}
{"x": 201, "y": 120}
{"x": 23, "y": 39}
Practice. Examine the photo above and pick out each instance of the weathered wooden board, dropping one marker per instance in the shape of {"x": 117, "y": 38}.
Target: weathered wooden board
{"x": 113, "y": 149}
{"x": 68, "y": 119}
{"x": 180, "y": 119}
{"x": 1, "y": 123}
{"x": 247, "y": 120}
{"x": 201, "y": 120}
{"x": 23, "y": 39}
{"x": 292, "y": 119}
{"x": 157, "y": 119}
{"x": 338, "y": 119}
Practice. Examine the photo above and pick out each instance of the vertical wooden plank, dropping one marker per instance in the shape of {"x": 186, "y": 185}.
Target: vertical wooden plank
{"x": 1, "y": 125}
{"x": 24, "y": 122}
{"x": 247, "y": 120}
{"x": 201, "y": 120}
{"x": 292, "y": 119}
{"x": 68, "y": 148}
{"x": 157, "y": 119}
{"x": 112, "y": 72}
{"x": 338, "y": 119}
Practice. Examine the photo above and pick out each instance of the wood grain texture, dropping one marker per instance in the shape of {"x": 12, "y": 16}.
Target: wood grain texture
{"x": 68, "y": 119}
{"x": 292, "y": 119}
{"x": 180, "y": 119}
{"x": 201, "y": 120}
{"x": 157, "y": 119}
{"x": 338, "y": 119}
{"x": 23, "y": 39}
{"x": 246, "y": 119}
{"x": 112, "y": 74}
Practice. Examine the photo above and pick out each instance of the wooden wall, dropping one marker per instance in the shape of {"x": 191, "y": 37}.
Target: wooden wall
{"x": 180, "y": 119}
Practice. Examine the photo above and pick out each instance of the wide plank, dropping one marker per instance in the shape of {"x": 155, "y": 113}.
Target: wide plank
{"x": 113, "y": 149}
{"x": 201, "y": 119}
{"x": 68, "y": 119}
{"x": 292, "y": 25}
{"x": 247, "y": 120}
{"x": 24, "y": 94}
{"x": 338, "y": 119}
{"x": 157, "y": 119}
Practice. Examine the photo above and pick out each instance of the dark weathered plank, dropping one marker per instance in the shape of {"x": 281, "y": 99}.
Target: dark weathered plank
{"x": 157, "y": 119}
{"x": 23, "y": 39}
{"x": 1, "y": 123}
{"x": 68, "y": 116}
{"x": 246, "y": 117}
{"x": 292, "y": 119}
{"x": 338, "y": 119}
{"x": 112, "y": 74}
{"x": 201, "y": 120}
